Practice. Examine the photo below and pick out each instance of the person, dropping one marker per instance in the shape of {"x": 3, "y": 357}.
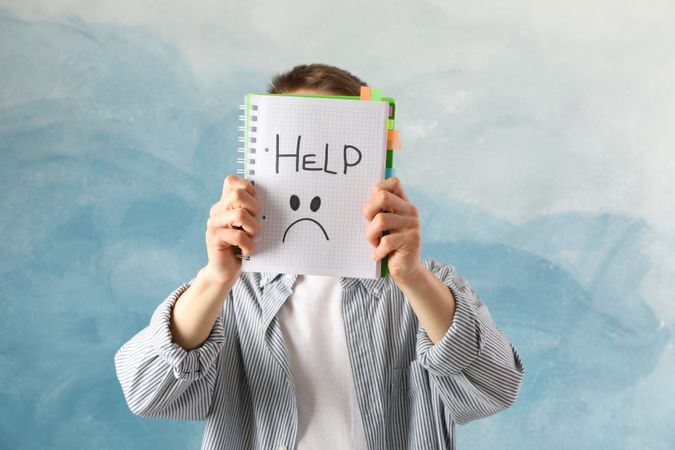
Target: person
{"x": 281, "y": 361}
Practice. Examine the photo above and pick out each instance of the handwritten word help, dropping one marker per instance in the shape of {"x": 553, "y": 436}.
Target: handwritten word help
{"x": 351, "y": 156}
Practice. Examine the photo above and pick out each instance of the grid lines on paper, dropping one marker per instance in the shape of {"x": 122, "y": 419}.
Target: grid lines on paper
{"x": 318, "y": 122}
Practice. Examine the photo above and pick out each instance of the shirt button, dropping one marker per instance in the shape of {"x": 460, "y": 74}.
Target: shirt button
{"x": 376, "y": 290}
{"x": 283, "y": 447}
{"x": 261, "y": 325}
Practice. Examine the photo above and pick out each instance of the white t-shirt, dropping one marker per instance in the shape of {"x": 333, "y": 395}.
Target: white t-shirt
{"x": 313, "y": 329}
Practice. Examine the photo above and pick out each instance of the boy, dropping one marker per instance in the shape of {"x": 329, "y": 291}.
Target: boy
{"x": 277, "y": 361}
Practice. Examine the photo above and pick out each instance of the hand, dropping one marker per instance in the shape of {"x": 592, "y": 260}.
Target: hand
{"x": 231, "y": 224}
{"x": 390, "y": 209}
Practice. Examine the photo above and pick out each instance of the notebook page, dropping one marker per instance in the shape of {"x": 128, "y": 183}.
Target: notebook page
{"x": 316, "y": 161}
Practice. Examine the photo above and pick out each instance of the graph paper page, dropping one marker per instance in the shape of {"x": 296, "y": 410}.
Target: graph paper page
{"x": 314, "y": 166}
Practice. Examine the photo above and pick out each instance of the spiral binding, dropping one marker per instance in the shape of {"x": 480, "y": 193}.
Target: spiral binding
{"x": 246, "y": 150}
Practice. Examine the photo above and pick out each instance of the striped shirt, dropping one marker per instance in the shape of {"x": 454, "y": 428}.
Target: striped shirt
{"x": 411, "y": 392}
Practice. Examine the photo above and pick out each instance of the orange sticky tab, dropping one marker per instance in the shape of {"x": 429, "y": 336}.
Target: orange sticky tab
{"x": 392, "y": 135}
{"x": 394, "y": 145}
{"x": 365, "y": 92}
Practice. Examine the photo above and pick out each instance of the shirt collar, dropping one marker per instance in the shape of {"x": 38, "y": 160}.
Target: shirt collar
{"x": 374, "y": 286}
{"x": 270, "y": 304}
{"x": 267, "y": 277}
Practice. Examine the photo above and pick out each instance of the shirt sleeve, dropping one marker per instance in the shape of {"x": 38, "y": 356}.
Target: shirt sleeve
{"x": 161, "y": 379}
{"x": 477, "y": 371}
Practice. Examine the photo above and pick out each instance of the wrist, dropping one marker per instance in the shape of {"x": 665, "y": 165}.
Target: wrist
{"x": 410, "y": 277}
{"x": 214, "y": 279}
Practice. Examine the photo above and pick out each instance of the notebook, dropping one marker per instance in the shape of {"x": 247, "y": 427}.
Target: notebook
{"x": 313, "y": 161}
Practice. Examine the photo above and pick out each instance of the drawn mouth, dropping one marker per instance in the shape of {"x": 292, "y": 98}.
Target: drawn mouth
{"x": 300, "y": 220}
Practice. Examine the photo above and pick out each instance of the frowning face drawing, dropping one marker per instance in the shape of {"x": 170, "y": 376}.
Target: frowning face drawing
{"x": 314, "y": 205}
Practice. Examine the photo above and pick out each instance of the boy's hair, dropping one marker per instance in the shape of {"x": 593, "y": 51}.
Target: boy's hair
{"x": 320, "y": 77}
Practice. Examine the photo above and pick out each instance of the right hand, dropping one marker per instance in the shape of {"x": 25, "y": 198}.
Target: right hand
{"x": 231, "y": 224}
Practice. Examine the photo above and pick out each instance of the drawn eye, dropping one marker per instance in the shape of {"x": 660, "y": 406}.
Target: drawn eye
{"x": 315, "y": 204}
{"x": 295, "y": 202}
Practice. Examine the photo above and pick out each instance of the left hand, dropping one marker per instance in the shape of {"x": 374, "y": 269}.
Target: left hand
{"x": 389, "y": 209}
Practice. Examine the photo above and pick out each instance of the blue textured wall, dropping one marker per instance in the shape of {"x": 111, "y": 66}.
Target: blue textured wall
{"x": 537, "y": 149}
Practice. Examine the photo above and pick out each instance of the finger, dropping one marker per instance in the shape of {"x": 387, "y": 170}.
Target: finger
{"x": 388, "y": 222}
{"x": 392, "y": 185}
{"x": 388, "y": 244}
{"x": 234, "y": 218}
{"x": 238, "y": 198}
{"x": 383, "y": 200}
{"x": 233, "y": 182}
{"x": 230, "y": 237}
{"x": 217, "y": 208}
{"x": 242, "y": 199}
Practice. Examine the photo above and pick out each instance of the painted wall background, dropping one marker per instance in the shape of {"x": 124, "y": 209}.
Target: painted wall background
{"x": 539, "y": 140}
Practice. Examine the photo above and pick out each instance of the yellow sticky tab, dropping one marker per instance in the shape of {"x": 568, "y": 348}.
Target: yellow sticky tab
{"x": 365, "y": 92}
